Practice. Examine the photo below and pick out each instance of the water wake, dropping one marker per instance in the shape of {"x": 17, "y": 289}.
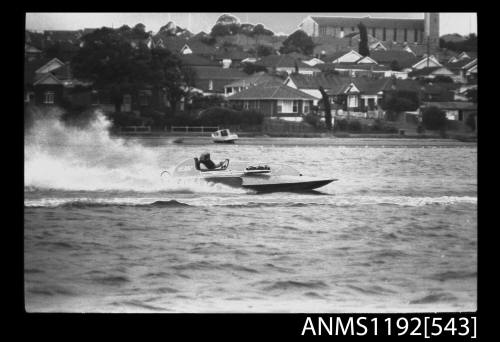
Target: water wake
{"x": 248, "y": 201}
{"x": 58, "y": 156}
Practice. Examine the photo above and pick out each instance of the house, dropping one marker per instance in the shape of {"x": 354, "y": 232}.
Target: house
{"x": 230, "y": 57}
{"x": 454, "y": 110}
{"x": 313, "y": 61}
{"x": 431, "y": 73}
{"x": 252, "y": 80}
{"x": 350, "y": 56}
{"x": 286, "y": 64}
{"x": 212, "y": 79}
{"x": 274, "y": 100}
{"x": 197, "y": 60}
{"x": 464, "y": 70}
{"x": 197, "y": 47}
{"x": 360, "y": 97}
{"x": 310, "y": 84}
{"x": 427, "y": 62}
{"x": 50, "y": 82}
{"x": 31, "y": 52}
{"x": 397, "y": 59}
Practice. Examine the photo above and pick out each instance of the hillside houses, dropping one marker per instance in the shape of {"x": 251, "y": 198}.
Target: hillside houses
{"x": 288, "y": 88}
{"x": 286, "y": 64}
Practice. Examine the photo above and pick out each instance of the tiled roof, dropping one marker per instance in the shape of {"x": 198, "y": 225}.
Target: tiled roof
{"x": 331, "y": 57}
{"x": 459, "y": 64}
{"x": 366, "y": 86}
{"x": 232, "y": 54}
{"x": 405, "y": 59}
{"x": 315, "y": 81}
{"x": 200, "y": 48}
{"x": 271, "y": 92}
{"x": 282, "y": 61}
{"x": 355, "y": 66}
{"x": 218, "y": 76}
{"x": 388, "y": 23}
{"x": 197, "y": 60}
{"x": 213, "y": 72}
{"x": 424, "y": 71}
{"x": 255, "y": 79}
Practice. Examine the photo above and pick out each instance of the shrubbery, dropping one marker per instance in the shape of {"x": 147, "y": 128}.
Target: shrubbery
{"x": 434, "y": 119}
{"x": 471, "y": 121}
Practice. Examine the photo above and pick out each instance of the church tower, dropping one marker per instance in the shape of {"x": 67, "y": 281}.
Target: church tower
{"x": 431, "y": 31}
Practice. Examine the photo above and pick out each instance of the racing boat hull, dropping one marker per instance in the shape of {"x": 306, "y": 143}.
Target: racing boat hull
{"x": 261, "y": 178}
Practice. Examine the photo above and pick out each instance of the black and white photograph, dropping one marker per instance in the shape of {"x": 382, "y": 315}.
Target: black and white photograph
{"x": 285, "y": 162}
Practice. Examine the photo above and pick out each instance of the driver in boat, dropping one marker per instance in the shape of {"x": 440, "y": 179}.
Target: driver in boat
{"x": 209, "y": 164}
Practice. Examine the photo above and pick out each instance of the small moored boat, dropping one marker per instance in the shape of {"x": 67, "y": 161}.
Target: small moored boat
{"x": 224, "y": 136}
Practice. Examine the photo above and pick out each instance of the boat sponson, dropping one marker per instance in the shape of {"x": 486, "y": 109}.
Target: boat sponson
{"x": 294, "y": 186}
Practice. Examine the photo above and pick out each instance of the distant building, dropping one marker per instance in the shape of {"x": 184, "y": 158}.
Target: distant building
{"x": 274, "y": 100}
{"x": 384, "y": 29}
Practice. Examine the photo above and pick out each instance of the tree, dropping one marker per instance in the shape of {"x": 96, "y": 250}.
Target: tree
{"x": 363, "y": 40}
{"x": 109, "y": 61}
{"x": 433, "y": 118}
{"x": 259, "y": 29}
{"x": 298, "y": 41}
{"x": 328, "y": 111}
{"x": 264, "y": 50}
{"x": 399, "y": 101}
{"x": 168, "y": 73}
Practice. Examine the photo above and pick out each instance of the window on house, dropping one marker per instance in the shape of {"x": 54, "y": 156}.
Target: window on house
{"x": 415, "y": 36}
{"x": 295, "y": 107}
{"x": 352, "y": 101}
{"x": 229, "y": 90}
{"x": 384, "y": 34}
{"x": 49, "y": 97}
{"x": 406, "y": 35}
{"x": 395, "y": 35}
{"x": 285, "y": 106}
{"x": 306, "y": 107}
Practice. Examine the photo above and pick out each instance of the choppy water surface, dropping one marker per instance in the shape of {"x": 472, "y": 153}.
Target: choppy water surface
{"x": 103, "y": 232}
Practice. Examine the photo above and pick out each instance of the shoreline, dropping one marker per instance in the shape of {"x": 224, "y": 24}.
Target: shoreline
{"x": 357, "y": 141}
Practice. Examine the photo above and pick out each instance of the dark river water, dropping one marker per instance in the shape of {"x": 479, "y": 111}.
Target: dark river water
{"x": 105, "y": 233}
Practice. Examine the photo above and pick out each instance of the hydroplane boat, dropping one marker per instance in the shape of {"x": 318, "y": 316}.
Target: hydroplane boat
{"x": 259, "y": 177}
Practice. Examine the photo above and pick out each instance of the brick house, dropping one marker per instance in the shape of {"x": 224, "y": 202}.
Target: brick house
{"x": 275, "y": 100}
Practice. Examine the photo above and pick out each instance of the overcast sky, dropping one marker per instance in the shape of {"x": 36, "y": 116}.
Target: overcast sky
{"x": 462, "y": 23}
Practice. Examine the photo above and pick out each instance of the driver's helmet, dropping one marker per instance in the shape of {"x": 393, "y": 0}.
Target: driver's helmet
{"x": 205, "y": 156}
